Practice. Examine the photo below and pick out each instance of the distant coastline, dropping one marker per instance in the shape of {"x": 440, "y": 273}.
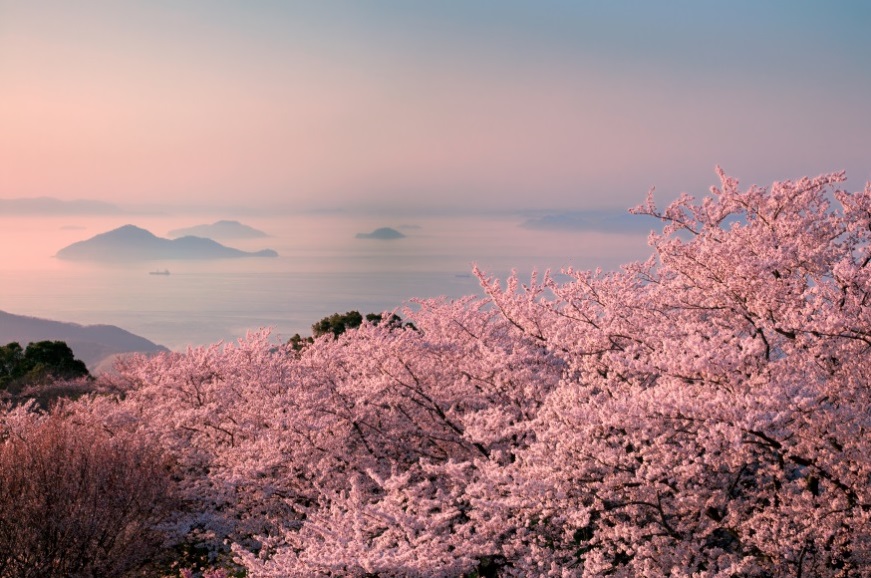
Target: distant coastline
{"x": 96, "y": 345}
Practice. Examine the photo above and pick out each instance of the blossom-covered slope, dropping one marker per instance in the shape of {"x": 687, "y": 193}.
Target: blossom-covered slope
{"x": 703, "y": 413}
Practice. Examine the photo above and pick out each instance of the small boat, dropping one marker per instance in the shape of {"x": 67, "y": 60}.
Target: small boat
{"x": 164, "y": 272}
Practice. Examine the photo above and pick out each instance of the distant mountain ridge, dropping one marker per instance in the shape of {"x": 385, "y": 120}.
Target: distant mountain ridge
{"x": 93, "y": 344}
{"x": 601, "y": 221}
{"x": 131, "y": 243}
{"x": 220, "y": 230}
{"x": 52, "y": 206}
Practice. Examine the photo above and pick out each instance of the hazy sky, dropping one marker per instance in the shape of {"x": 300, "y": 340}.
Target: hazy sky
{"x": 445, "y": 104}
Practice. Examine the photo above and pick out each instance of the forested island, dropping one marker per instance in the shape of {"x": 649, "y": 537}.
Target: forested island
{"x": 702, "y": 413}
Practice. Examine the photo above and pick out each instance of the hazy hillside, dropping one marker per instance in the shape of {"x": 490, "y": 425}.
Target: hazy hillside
{"x": 220, "y": 230}
{"x": 52, "y": 206}
{"x": 133, "y": 243}
{"x": 93, "y": 344}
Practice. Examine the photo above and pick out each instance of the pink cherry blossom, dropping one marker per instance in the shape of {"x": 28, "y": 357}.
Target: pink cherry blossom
{"x": 705, "y": 412}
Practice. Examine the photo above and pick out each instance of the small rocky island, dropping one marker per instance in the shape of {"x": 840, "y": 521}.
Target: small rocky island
{"x": 384, "y": 233}
{"x": 130, "y": 243}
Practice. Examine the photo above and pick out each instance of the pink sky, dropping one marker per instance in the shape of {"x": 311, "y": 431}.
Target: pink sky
{"x": 370, "y": 104}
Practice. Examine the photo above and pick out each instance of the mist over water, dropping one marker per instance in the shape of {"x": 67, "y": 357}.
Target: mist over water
{"x": 321, "y": 269}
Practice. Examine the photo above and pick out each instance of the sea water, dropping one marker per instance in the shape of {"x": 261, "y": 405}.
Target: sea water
{"x": 322, "y": 268}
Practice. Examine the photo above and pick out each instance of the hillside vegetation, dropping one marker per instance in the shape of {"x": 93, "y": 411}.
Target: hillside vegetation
{"x": 703, "y": 413}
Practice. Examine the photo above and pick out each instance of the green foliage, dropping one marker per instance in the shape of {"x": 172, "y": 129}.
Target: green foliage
{"x": 298, "y": 341}
{"x": 11, "y": 362}
{"x": 338, "y": 323}
{"x": 41, "y": 362}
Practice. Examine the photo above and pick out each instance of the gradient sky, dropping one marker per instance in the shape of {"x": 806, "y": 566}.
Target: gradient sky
{"x": 449, "y": 105}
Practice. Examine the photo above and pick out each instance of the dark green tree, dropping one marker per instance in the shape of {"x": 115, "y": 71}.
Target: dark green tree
{"x": 41, "y": 362}
{"x": 338, "y": 323}
{"x": 56, "y": 359}
{"x": 11, "y": 362}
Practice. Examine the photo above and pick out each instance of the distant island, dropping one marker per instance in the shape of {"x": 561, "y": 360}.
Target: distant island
{"x": 130, "y": 243}
{"x": 601, "y": 221}
{"x": 220, "y": 230}
{"x": 96, "y": 345}
{"x": 52, "y": 206}
{"x": 384, "y": 233}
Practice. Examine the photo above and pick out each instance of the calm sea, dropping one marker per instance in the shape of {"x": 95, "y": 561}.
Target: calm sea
{"x": 321, "y": 269}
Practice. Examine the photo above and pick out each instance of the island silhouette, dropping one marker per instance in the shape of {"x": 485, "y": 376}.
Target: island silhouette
{"x": 131, "y": 243}
{"x": 223, "y": 229}
{"x": 384, "y": 233}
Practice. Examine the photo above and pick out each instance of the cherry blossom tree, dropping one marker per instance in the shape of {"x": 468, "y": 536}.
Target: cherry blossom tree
{"x": 703, "y": 413}
{"x": 76, "y": 500}
{"x": 267, "y": 437}
{"x": 714, "y": 416}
